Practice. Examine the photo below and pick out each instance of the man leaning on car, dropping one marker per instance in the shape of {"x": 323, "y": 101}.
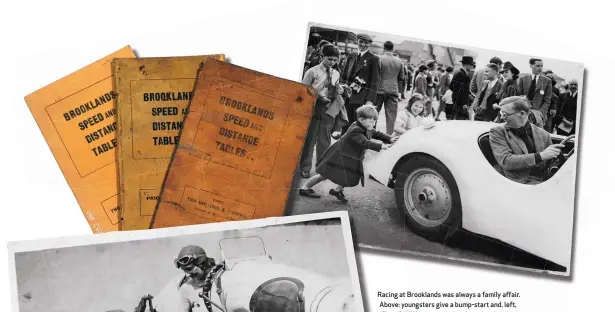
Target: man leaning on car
{"x": 522, "y": 149}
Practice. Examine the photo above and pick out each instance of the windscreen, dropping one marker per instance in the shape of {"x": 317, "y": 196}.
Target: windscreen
{"x": 242, "y": 247}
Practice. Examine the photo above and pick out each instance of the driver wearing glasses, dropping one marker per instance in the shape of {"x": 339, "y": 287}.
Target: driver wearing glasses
{"x": 522, "y": 149}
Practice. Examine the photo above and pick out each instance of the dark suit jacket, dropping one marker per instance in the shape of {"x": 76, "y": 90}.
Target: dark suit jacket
{"x": 512, "y": 155}
{"x": 490, "y": 95}
{"x": 568, "y": 106}
{"x": 541, "y": 102}
{"x": 555, "y": 99}
{"x": 490, "y": 98}
{"x": 366, "y": 68}
{"x": 460, "y": 86}
{"x": 509, "y": 88}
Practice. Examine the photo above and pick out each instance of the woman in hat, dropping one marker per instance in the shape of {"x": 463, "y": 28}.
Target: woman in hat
{"x": 509, "y": 88}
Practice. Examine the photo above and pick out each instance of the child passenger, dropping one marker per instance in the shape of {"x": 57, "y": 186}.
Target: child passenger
{"x": 342, "y": 163}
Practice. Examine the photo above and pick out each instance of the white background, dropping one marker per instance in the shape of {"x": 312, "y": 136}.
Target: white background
{"x": 43, "y": 41}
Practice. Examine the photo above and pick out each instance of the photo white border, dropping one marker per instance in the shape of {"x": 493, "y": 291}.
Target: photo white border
{"x": 568, "y": 271}
{"x": 127, "y": 236}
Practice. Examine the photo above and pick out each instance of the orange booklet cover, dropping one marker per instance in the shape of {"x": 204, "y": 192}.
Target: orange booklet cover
{"x": 152, "y": 95}
{"x": 238, "y": 149}
{"x": 77, "y": 117}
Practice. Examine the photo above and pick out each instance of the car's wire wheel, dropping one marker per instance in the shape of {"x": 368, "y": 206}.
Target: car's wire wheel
{"x": 428, "y": 197}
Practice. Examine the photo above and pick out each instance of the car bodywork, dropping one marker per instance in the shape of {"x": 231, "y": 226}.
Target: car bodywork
{"x": 245, "y": 272}
{"x": 535, "y": 218}
{"x": 246, "y": 268}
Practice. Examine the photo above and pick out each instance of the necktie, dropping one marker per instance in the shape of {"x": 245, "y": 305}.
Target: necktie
{"x": 328, "y": 84}
{"x": 530, "y": 94}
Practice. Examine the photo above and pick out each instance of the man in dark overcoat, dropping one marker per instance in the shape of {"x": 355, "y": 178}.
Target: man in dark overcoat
{"x": 460, "y": 86}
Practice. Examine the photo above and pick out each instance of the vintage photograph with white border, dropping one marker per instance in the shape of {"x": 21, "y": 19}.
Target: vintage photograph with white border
{"x": 296, "y": 263}
{"x": 442, "y": 150}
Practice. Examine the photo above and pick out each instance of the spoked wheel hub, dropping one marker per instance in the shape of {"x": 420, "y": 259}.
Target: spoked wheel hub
{"x": 428, "y": 197}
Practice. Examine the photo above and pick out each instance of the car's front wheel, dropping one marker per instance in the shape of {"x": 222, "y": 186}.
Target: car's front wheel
{"x": 427, "y": 194}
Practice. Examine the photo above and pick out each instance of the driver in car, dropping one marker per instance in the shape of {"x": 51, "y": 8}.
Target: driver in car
{"x": 183, "y": 295}
{"x": 522, "y": 149}
{"x": 200, "y": 272}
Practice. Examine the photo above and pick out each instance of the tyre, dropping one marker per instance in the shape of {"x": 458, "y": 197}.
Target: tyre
{"x": 427, "y": 195}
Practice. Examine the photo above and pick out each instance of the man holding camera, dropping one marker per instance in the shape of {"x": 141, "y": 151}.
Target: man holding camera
{"x": 362, "y": 74}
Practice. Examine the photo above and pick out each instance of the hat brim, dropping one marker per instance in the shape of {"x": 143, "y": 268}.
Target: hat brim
{"x": 513, "y": 70}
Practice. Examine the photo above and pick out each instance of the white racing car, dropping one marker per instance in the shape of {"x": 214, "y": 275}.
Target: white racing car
{"x": 444, "y": 178}
{"x": 249, "y": 280}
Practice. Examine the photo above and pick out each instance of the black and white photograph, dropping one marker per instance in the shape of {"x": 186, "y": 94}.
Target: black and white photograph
{"x": 441, "y": 150}
{"x": 295, "y": 263}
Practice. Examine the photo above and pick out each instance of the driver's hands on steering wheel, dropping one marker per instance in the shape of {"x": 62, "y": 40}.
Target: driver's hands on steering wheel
{"x": 551, "y": 151}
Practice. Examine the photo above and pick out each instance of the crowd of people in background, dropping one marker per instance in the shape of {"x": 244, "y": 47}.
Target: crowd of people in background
{"x": 347, "y": 82}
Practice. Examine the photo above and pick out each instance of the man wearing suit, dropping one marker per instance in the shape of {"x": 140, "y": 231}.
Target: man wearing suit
{"x": 391, "y": 72}
{"x": 445, "y": 82}
{"x": 479, "y": 76}
{"x": 460, "y": 85}
{"x": 362, "y": 74}
{"x": 566, "y": 117}
{"x": 522, "y": 150}
{"x": 537, "y": 89}
{"x": 488, "y": 94}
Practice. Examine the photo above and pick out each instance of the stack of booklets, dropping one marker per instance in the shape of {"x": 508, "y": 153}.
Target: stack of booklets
{"x": 169, "y": 141}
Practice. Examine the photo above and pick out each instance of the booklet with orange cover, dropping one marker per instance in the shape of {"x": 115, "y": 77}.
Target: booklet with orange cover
{"x": 77, "y": 116}
{"x": 238, "y": 149}
{"x": 152, "y": 95}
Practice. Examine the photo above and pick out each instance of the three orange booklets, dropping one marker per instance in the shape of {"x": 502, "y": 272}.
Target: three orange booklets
{"x": 156, "y": 142}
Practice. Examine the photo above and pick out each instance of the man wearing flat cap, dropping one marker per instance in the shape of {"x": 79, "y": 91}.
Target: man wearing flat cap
{"x": 460, "y": 86}
{"x": 362, "y": 74}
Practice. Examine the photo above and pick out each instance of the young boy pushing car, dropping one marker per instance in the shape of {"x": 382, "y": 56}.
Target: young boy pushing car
{"x": 342, "y": 163}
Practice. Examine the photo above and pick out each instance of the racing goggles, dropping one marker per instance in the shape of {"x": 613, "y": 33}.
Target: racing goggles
{"x": 188, "y": 260}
